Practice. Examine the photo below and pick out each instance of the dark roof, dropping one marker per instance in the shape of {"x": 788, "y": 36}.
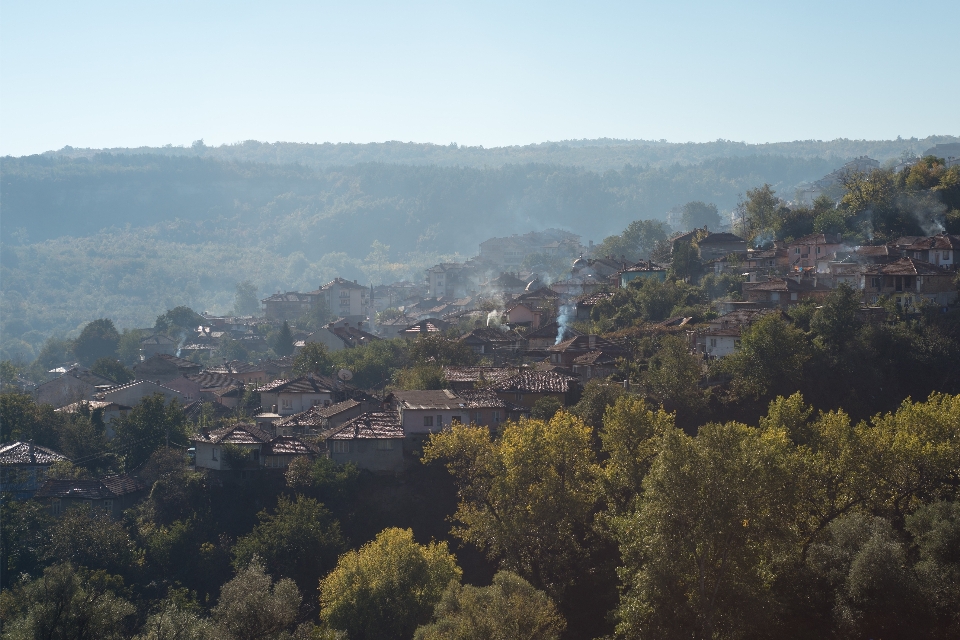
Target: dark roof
{"x": 643, "y": 266}
{"x": 596, "y": 357}
{"x": 213, "y": 380}
{"x": 941, "y": 241}
{"x": 303, "y": 384}
{"x": 104, "y": 489}
{"x": 491, "y": 334}
{"x": 594, "y": 298}
{"x": 786, "y": 284}
{"x": 234, "y": 434}
{"x": 26, "y": 453}
{"x": 907, "y": 267}
{"x": 237, "y": 366}
{"x": 289, "y": 296}
{"x": 879, "y": 250}
{"x": 480, "y": 399}
{"x": 584, "y": 344}
{"x": 550, "y": 331}
{"x": 506, "y": 280}
{"x": 375, "y": 425}
{"x": 315, "y": 416}
{"x": 180, "y": 363}
{"x": 538, "y": 381}
{"x": 92, "y": 404}
{"x": 427, "y": 325}
{"x": 290, "y": 446}
{"x": 194, "y": 410}
{"x": 720, "y": 237}
{"x": 158, "y": 339}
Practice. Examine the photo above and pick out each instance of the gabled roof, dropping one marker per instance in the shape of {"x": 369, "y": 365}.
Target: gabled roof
{"x": 480, "y": 399}
{"x": 595, "y": 358}
{"x": 537, "y": 382}
{"x": 26, "y": 453}
{"x": 303, "y": 384}
{"x": 490, "y": 335}
{"x": 591, "y": 299}
{"x": 720, "y": 237}
{"x": 377, "y": 425}
{"x": 237, "y": 366}
{"x": 787, "y": 284}
{"x": 289, "y": 296}
{"x": 290, "y": 446}
{"x": 180, "y": 363}
{"x": 122, "y": 484}
{"x": 436, "y": 399}
{"x": 316, "y": 416}
{"x": 106, "y": 488}
{"x": 473, "y": 374}
{"x": 234, "y": 434}
{"x": 158, "y": 339}
{"x": 194, "y": 410}
{"x": 134, "y": 383}
{"x": 93, "y": 404}
{"x": 882, "y": 250}
{"x": 427, "y": 325}
{"x": 506, "y": 281}
{"x": 584, "y": 344}
{"x": 212, "y": 380}
{"x": 550, "y": 330}
{"x": 907, "y": 267}
{"x": 643, "y": 266}
{"x": 940, "y": 242}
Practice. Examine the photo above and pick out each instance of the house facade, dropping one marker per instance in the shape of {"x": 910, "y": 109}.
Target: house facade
{"x": 910, "y": 283}
{"x": 23, "y": 468}
{"x": 297, "y": 395}
{"x": 373, "y": 441}
{"x": 804, "y": 252}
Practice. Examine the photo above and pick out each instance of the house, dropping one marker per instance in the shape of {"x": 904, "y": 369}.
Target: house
{"x": 940, "y": 250}
{"x": 527, "y": 387}
{"x": 527, "y": 315}
{"x": 163, "y": 367}
{"x": 547, "y": 336}
{"x": 470, "y": 378}
{"x": 287, "y": 306}
{"x": 878, "y": 254}
{"x": 721, "y": 337}
{"x": 585, "y": 304}
{"x": 108, "y": 412}
{"x": 718, "y": 245}
{"x": 112, "y": 494}
{"x": 492, "y": 340}
{"x": 372, "y": 441}
{"x": 317, "y": 419}
{"x": 209, "y": 445}
{"x": 645, "y": 270}
{"x": 595, "y": 364}
{"x": 282, "y": 450}
{"x": 23, "y": 467}
{"x": 189, "y": 389}
{"x": 337, "y": 336}
{"x": 564, "y": 353}
{"x": 775, "y": 259}
{"x": 218, "y": 388}
{"x": 74, "y": 385}
{"x": 344, "y": 298}
{"x": 908, "y": 282}
{"x": 803, "y": 252}
{"x": 784, "y": 292}
{"x": 297, "y": 395}
{"x": 155, "y": 344}
{"x": 391, "y": 328}
{"x": 425, "y": 412}
{"x": 132, "y": 393}
{"x": 247, "y": 373}
{"x": 451, "y": 280}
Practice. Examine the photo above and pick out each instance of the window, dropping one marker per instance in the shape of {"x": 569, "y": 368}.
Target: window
{"x": 439, "y": 421}
{"x": 818, "y": 249}
{"x": 775, "y": 296}
{"x": 108, "y": 505}
{"x": 384, "y": 445}
{"x": 793, "y": 296}
{"x": 428, "y": 421}
{"x": 213, "y": 453}
{"x": 56, "y": 507}
{"x": 478, "y": 417}
{"x": 946, "y": 255}
{"x": 713, "y": 343}
{"x": 341, "y": 446}
{"x": 286, "y": 403}
{"x": 518, "y": 396}
{"x": 797, "y": 250}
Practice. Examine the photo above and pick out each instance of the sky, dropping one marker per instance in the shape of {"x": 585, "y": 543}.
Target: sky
{"x": 101, "y": 74}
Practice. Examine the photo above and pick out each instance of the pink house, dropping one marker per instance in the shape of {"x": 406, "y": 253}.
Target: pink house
{"x": 804, "y": 252}
{"x": 523, "y": 314}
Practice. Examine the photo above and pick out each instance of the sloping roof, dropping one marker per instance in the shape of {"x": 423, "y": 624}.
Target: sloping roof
{"x": 289, "y": 296}
{"x": 181, "y": 363}
{"x": 643, "y": 265}
{"x": 315, "y": 416}
{"x": 720, "y": 237}
{"x": 77, "y": 489}
{"x": 212, "y": 380}
{"x": 941, "y": 242}
{"x": 234, "y": 434}
{"x": 491, "y": 334}
{"x": 907, "y": 267}
{"x": 818, "y": 238}
{"x": 375, "y": 425}
{"x": 442, "y": 399}
{"x": 290, "y": 446}
{"x": 92, "y": 404}
{"x": 473, "y": 374}
{"x": 550, "y": 331}
{"x": 237, "y": 366}
{"x": 427, "y": 325}
{"x": 303, "y": 384}
{"x": 122, "y": 484}
{"x": 25, "y": 453}
{"x": 507, "y": 281}
{"x": 537, "y": 382}
{"x": 591, "y": 299}
{"x": 584, "y": 343}
{"x": 194, "y": 410}
{"x": 158, "y": 339}
{"x": 879, "y": 250}
{"x": 480, "y": 399}
{"x": 595, "y": 357}
{"x": 342, "y": 283}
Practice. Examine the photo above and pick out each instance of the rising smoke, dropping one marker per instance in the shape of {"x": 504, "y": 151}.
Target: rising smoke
{"x": 564, "y": 317}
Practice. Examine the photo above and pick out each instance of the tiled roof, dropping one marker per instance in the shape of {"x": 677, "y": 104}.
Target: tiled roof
{"x": 134, "y": 383}
{"x": 78, "y": 489}
{"x": 480, "y": 399}
{"x": 429, "y": 325}
{"x": 179, "y": 362}
{"x": 214, "y": 380}
{"x": 595, "y": 357}
{"x": 234, "y": 434}
{"x": 720, "y": 237}
{"x": 818, "y": 238}
{"x": 303, "y": 384}
{"x": 290, "y": 446}
{"x": 122, "y": 484}
{"x": 594, "y": 298}
{"x": 550, "y": 330}
{"x": 158, "y": 339}
{"x": 370, "y": 426}
{"x": 20, "y": 453}
{"x": 492, "y": 334}
{"x": 194, "y": 410}
{"x": 584, "y": 343}
{"x": 289, "y": 296}
{"x": 537, "y": 382}
{"x": 315, "y": 416}
{"x": 643, "y": 266}
{"x": 941, "y": 241}
{"x": 906, "y": 267}
{"x": 237, "y": 366}
{"x": 443, "y": 399}
{"x": 880, "y": 250}
{"x": 92, "y": 404}
{"x": 473, "y": 374}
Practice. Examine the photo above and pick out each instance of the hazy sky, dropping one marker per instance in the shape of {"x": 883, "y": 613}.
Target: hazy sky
{"x": 97, "y": 74}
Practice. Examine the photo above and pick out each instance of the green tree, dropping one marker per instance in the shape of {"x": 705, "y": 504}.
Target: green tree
{"x": 113, "y": 369}
{"x": 597, "y": 396}
{"x": 66, "y": 604}
{"x": 421, "y": 377}
{"x": 24, "y": 530}
{"x": 253, "y": 607}
{"x": 300, "y": 540}
{"x": 323, "y": 479}
{"x": 673, "y": 379}
{"x": 387, "y": 588}
{"x": 246, "y": 302}
{"x": 283, "y": 342}
{"x": 509, "y": 609}
{"x": 686, "y": 265}
{"x": 770, "y": 359}
{"x": 836, "y": 322}
{"x": 759, "y": 212}
{"x": 99, "y": 339}
{"x": 700, "y": 214}
{"x": 637, "y": 241}
{"x": 90, "y": 537}
{"x": 545, "y": 408}
{"x": 176, "y": 620}
{"x": 936, "y": 534}
{"x": 525, "y": 498}
{"x": 312, "y": 358}
{"x": 698, "y": 551}
{"x": 440, "y": 351}
{"x": 150, "y": 425}
{"x": 129, "y": 350}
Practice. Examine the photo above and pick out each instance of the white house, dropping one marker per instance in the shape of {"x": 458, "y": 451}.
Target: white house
{"x": 133, "y": 392}
{"x": 295, "y": 396}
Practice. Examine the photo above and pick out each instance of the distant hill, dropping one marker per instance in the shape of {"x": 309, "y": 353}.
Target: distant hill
{"x": 598, "y": 155}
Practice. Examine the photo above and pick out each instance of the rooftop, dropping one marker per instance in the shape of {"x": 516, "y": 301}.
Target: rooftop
{"x": 303, "y": 384}
{"x": 907, "y": 267}
{"x": 27, "y": 453}
{"x": 315, "y": 416}
{"x": 538, "y": 382}
{"x": 375, "y": 425}
{"x": 233, "y": 434}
